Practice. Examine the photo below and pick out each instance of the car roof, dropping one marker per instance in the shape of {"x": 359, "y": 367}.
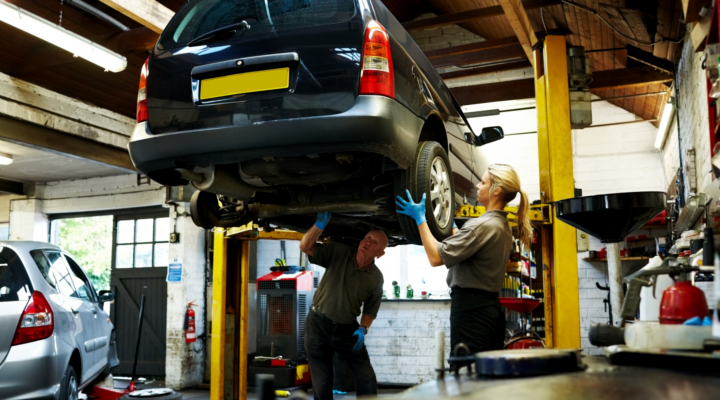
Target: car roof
{"x": 27, "y": 245}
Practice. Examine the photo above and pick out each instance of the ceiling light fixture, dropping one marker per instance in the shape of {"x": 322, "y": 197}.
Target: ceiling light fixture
{"x": 6, "y": 159}
{"x": 665, "y": 124}
{"x": 75, "y": 44}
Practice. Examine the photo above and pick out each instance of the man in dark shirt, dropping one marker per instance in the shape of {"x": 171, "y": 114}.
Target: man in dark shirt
{"x": 351, "y": 281}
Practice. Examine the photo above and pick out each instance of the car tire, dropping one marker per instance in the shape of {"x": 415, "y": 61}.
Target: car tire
{"x": 430, "y": 174}
{"x": 147, "y": 394}
{"x": 69, "y": 385}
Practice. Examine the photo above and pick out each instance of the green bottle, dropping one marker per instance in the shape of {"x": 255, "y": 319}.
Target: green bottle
{"x": 396, "y": 289}
{"x": 409, "y": 292}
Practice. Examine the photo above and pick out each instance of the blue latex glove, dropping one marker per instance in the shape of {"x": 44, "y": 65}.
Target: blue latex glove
{"x": 414, "y": 210}
{"x": 360, "y": 333}
{"x": 454, "y": 225}
{"x": 338, "y": 392}
{"x": 322, "y": 220}
{"x": 696, "y": 321}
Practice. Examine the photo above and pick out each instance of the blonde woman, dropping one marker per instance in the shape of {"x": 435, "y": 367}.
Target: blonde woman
{"x": 476, "y": 257}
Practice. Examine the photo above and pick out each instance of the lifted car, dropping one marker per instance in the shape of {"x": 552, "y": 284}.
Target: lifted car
{"x": 278, "y": 109}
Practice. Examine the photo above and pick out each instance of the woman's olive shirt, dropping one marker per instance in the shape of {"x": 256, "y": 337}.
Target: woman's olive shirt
{"x": 477, "y": 255}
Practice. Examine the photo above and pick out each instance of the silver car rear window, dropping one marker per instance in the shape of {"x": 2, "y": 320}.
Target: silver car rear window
{"x": 202, "y": 16}
{"x": 14, "y": 282}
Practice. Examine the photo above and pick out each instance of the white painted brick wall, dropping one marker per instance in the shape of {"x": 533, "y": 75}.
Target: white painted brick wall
{"x": 401, "y": 341}
{"x": 693, "y": 112}
{"x": 184, "y": 367}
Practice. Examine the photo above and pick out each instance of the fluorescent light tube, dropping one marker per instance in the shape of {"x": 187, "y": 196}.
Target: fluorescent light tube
{"x": 49, "y": 32}
{"x": 5, "y": 159}
{"x": 665, "y": 123}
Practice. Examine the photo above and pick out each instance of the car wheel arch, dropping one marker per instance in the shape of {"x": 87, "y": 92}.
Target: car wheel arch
{"x": 76, "y": 363}
{"x": 433, "y": 130}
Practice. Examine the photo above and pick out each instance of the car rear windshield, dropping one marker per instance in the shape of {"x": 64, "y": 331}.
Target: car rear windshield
{"x": 202, "y": 16}
{"x": 14, "y": 282}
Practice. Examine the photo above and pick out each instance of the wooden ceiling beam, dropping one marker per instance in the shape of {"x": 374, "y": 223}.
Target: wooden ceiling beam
{"x": 464, "y": 16}
{"x": 519, "y": 21}
{"x": 525, "y": 88}
{"x": 487, "y": 70}
{"x": 504, "y": 50}
{"x": 41, "y": 138}
{"x": 138, "y": 39}
{"x": 149, "y": 13}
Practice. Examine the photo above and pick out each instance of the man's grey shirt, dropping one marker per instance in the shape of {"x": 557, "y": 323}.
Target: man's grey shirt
{"x": 345, "y": 287}
{"x": 477, "y": 255}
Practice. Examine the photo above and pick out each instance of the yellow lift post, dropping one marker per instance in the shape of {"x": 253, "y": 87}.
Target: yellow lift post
{"x": 231, "y": 251}
{"x": 559, "y": 247}
{"x": 240, "y": 238}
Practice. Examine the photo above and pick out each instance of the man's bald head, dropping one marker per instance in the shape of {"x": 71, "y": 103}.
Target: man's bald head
{"x": 381, "y": 238}
{"x": 371, "y": 247}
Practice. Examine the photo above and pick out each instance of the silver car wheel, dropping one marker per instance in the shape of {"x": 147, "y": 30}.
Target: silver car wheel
{"x": 72, "y": 388}
{"x": 440, "y": 193}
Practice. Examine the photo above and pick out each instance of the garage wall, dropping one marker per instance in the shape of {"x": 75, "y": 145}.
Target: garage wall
{"x": 693, "y": 115}
{"x": 29, "y": 221}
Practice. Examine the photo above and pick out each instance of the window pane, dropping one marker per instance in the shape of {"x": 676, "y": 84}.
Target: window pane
{"x": 43, "y": 265}
{"x": 161, "y": 255}
{"x": 124, "y": 256}
{"x": 60, "y": 272}
{"x": 126, "y": 231}
{"x": 162, "y": 229}
{"x": 143, "y": 255}
{"x": 84, "y": 288}
{"x": 144, "y": 230}
{"x": 15, "y": 284}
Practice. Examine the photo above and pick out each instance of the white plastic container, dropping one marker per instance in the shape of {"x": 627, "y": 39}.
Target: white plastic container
{"x": 651, "y": 335}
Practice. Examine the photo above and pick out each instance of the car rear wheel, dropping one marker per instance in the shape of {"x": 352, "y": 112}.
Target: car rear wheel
{"x": 69, "y": 385}
{"x": 429, "y": 174}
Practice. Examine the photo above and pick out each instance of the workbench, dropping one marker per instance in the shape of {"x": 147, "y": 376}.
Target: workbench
{"x": 600, "y": 380}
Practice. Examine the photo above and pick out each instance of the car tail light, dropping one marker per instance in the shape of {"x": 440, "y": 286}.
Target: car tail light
{"x": 36, "y": 322}
{"x": 142, "y": 113}
{"x": 377, "y": 68}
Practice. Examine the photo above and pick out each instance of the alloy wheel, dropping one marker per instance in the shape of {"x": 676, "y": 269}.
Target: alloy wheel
{"x": 440, "y": 193}
{"x": 72, "y": 388}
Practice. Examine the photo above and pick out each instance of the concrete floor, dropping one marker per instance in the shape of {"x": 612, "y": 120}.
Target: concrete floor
{"x": 204, "y": 394}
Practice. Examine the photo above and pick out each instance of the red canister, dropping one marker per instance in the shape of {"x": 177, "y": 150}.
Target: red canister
{"x": 681, "y": 302}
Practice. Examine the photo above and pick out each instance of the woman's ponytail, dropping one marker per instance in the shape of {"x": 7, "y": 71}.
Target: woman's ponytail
{"x": 523, "y": 220}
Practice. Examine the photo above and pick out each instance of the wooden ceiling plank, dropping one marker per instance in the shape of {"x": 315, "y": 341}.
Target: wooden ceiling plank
{"x": 449, "y": 19}
{"x": 486, "y": 45}
{"x": 487, "y": 70}
{"x": 518, "y": 18}
{"x": 524, "y": 88}
{"x": 677, "y": 30}
{"x": 664, "y": 18}
{"x": 493, "y": 55}
{"x": 149, "y": 13}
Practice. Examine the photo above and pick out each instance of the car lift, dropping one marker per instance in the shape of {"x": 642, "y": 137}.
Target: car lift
{"x": 558, "y": 256}
{"x": 231, "y": 261}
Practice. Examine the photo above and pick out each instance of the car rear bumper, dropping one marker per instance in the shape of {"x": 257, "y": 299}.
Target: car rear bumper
{"x": 375, "y": 124}
{"x": 32, "y": 370}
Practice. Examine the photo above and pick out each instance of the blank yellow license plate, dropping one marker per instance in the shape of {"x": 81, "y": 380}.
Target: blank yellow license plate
{"x": 248, "y": 82}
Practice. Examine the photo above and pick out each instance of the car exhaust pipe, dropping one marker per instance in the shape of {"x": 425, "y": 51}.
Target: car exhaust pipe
{"x": 276, "y": 210}
{"x": 218, "y": 181}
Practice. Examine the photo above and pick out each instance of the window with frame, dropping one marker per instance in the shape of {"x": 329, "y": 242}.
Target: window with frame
{"x": 142, "y": 242}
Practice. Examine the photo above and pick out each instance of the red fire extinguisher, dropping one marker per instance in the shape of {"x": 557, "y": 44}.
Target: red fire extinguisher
{"x": 189, "y": 325}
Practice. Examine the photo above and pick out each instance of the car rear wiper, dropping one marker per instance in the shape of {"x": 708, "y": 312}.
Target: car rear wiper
{"x": 219, "y": 33}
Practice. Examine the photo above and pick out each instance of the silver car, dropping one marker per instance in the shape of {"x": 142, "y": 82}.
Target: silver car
{"x": 55, "y": 338}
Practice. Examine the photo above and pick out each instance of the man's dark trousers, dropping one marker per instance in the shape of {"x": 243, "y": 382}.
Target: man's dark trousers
{"x": 324, "y": 338}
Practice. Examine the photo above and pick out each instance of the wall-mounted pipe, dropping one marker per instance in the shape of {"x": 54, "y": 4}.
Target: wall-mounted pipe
{"x": 99, "y": 14}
